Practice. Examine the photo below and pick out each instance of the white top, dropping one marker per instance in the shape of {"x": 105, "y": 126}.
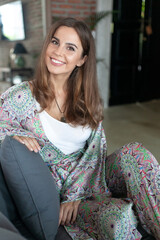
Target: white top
{"x": 65, "y": 137}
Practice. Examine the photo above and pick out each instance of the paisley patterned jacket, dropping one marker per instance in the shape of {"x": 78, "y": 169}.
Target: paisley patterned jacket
{"x": 79, "y": 175}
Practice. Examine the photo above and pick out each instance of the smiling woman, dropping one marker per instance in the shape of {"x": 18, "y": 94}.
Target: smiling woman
{"x": 68, "y": 67}
{"x": 59, "y": 115}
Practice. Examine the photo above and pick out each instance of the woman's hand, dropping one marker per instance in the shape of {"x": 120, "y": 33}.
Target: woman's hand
{"x": 68, "y": 212}
{"x": 31, "y": 143}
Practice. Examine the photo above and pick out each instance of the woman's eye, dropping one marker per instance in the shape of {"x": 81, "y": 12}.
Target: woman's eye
{"x": 71, "y": 48}
{"x": 54, "y": 42}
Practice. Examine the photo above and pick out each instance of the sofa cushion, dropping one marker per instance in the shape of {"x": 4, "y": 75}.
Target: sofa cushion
{"x": 32, "y": 188}
{"x": 7, "y": 230}
{"x": 8, "y": 208}
{"x": 9, "y": 235}
{"x": 6, "y": 224}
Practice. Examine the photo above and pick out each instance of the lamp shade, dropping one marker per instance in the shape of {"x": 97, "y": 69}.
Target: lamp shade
{"x": 19, "y": 49}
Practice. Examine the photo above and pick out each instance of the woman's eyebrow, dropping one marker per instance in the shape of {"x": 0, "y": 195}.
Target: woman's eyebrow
{"x": 72, "y": 44}
{"x": 56, "y": 38}
{"x": 67, "y": 43}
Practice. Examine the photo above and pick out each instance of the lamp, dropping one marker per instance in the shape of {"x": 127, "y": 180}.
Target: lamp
{"x": 18, "y": 50}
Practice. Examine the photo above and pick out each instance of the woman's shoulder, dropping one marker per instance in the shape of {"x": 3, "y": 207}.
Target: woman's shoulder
{"x": 18, "y": 99}
{"x": 22, "y": 88}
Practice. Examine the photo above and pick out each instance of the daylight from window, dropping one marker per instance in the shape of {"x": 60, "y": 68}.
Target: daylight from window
{"x": 12, "y": 21}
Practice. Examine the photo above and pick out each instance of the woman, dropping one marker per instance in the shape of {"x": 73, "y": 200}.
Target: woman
{"x": 59, "y": 115}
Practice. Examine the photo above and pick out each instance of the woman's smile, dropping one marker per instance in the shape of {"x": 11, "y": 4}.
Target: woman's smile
{"x": 56, "y": 62}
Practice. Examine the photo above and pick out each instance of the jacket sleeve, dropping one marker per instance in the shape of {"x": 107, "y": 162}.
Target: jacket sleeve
{"x": 15, "y": 106}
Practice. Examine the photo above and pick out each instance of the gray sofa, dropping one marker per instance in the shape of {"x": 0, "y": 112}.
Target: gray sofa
{"x": 9, "y": 232}
{"x": 29, "y": 201}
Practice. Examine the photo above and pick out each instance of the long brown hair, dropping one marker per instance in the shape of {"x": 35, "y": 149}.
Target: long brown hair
{"x": 83, "y": 104}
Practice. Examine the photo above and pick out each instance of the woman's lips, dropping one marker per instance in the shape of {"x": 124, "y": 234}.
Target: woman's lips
{"x": 57, "y": 62}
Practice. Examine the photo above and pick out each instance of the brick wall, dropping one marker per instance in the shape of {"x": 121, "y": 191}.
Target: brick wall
{"x": 73, "y": 8}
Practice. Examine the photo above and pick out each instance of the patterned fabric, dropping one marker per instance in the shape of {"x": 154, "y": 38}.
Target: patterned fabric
{"x": 115, "y": 190}
{"x": 133, "y": 172}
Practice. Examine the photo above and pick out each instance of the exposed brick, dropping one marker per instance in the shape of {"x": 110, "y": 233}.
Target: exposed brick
{"x": 82, "y": 7}
{"x": 89, "y": 2}
{"x": 74, "y": 1}
{"x": 74, "y": 13}
{"x": 66, "y": 6}
{"x": 55, "y": 1}
{"x": 86, "y": 13}
{"x": 59, "y": 12}
{"x": 54, "y": 5}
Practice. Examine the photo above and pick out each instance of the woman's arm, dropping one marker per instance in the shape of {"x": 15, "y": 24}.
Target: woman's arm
{"x": 10, "y": 126}
{"x": 15, "y": 107}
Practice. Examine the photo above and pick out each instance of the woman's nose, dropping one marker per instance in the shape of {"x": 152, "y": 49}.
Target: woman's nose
{"x": 59, "y": 50}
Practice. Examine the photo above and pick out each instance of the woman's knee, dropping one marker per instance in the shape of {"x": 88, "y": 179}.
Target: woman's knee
{"x": 137, "y": 155}
{"x": 117, "y": 220}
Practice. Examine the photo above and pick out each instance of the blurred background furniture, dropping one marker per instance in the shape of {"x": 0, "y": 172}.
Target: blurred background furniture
{"x": 14, "y": 75}
{"x": 18, "y": 75}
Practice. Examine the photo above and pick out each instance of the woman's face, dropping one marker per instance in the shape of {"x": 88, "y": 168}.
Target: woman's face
{"x": 64, "y": 52}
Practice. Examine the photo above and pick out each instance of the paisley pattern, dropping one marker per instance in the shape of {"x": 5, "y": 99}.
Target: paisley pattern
{"x": 156, "y": 181}
{"x": 19, "y": 102}
{"x": 115, "y": 191}
{"x": 108, "y": 218}
{"x": 132, "y": 172}
{"x": 141, "y": 184}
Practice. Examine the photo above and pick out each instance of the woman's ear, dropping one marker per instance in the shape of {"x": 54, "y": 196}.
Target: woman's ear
{"x": 82, "y": 61}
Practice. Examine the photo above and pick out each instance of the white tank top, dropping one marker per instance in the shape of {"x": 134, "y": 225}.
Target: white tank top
{"x": 65, "y": 137}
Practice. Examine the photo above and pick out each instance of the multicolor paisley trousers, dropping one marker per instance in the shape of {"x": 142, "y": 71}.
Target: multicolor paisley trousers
{"x": 133, "y": 178}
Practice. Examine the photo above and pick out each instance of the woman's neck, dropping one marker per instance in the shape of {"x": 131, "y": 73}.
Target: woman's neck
{"x": 59, "y": 84}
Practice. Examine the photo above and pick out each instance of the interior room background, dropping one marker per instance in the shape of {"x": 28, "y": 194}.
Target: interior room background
{"x": 127, "y": 43}
{"x": 38, "y": 16}
{"x": 127, "y": 47}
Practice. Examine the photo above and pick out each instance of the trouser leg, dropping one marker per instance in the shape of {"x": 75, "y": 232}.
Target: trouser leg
{"x": 108, "y": 218}
{"x": 134, "y": 172}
